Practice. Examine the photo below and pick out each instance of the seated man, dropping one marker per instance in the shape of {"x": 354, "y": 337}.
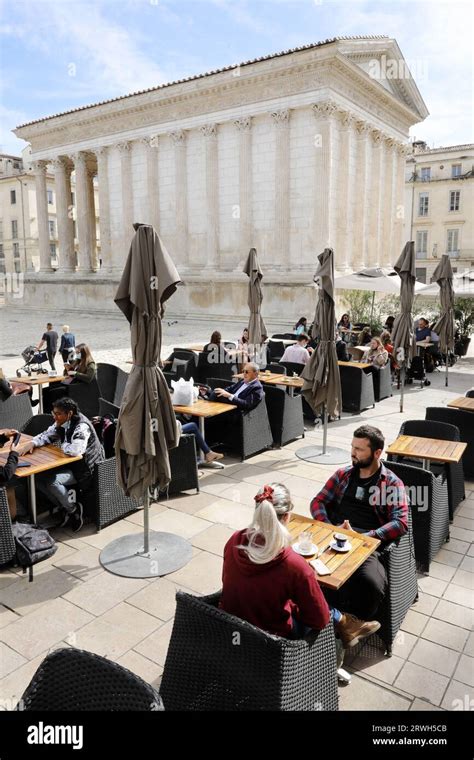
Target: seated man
{"x": 298, "y": 353}
{"x": 246, "y": 394}
{"x": 423, "y": 331}
{"x": 77, "y": 436}
{"x": 368, "y": 498}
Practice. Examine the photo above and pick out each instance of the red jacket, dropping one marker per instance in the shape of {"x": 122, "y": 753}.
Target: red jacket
{"x": 267, "y": 595}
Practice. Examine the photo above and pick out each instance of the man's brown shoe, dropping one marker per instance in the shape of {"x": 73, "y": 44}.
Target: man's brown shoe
{"x": 351, "y": 630}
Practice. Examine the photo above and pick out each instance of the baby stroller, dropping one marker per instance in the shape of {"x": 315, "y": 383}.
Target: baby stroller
{"x": 33, "y": 360}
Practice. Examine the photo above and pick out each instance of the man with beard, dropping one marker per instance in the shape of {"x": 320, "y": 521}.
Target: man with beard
{"x": 368, "y": 498}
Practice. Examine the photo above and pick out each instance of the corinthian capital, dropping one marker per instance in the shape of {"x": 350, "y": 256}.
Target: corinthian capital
{"x": 281, "y": 118}
{"x": 178, "y": 137}
{"x": 102, "y": 152}
{"x": 347, "y": 119}
{"x": 244, "y": 124}
{"x": 324, "y": 110}
{"x": 377, "y": 136}
{"x": 39, "y": 167}
{"x": 209, "y": 131}
{"x": 362, "y": 127}
{"x": 124, "y": 147}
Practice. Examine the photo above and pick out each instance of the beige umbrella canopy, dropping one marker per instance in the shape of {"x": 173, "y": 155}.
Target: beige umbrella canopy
{"x": 146, "y": 426}
{"x": 256, "y": 324}
{"x": 443, "y": 275}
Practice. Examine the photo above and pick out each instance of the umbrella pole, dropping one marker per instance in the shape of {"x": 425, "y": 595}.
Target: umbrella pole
{"x": 402, "y": 375}
{"x": 146, "y": 521}
{"x": 447, "y": 365}
{"x": 325, "y": 428}
{"x": 372, "y": 309}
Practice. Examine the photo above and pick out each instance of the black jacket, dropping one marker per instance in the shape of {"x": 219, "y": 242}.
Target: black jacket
{"x": 7, "y": 470}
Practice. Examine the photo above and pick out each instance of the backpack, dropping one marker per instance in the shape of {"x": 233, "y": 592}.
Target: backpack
{"x": 416, "y": 369}
{"x": 105, "y": 428}
{"x": 33, "y": 544}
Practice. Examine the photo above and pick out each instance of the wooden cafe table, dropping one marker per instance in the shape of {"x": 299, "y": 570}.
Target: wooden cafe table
{"x": 341, "y": 564}
{"x": 427, "y": 449}
{"x": 42, "y": 459}
{"x": 464, "y": 403}
{"x": 38, "y": 380}
{"x": 204, "y": 409}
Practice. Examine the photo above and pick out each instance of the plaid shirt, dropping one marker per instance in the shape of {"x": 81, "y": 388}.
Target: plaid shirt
{"x": 390, "y": 502}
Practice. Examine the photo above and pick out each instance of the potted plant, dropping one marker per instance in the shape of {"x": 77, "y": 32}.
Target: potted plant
{"x": 464, "y": 318}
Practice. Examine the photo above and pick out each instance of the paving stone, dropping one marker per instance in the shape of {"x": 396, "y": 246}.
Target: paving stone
{"x": 462, "y": 534}
{"x": 155, "y": 509}
{"x": 179, "y": 523}
{"x": 459, "y": 697}
{"x": 141, "y": 666}
{"x": 231, "y": 513}
{"x": 467, "y": 563}
{"x": 116, "y": 631}
{"x": 49, "y": 583}
{"x": 465, "y": 670}
{"x": 83, "y": 564}
{"x": 202, "y": 574}
{"x": 464, "y": 578}
{"x": 455, "y": 545}
{"x": 454, "y": 613}
{"x": 104, "y": 591}
{"x": 432, "y": 586}
{"x": 422, "y": 705}
{"x": 365, "y": 695}
{"x": 451, "y": 636}
{"x": 469, "y": 648}
{"x": 156, "y": 645}
{"x": 403, "y": 644}
{"x": 425, "y": 604}
{"x": 7, "y": 616}
{"x": 190, "y": 503}
{"x": 449, "y": 558}
{"x": 382, "y": 668}
{"x": 107, "y": 535}
{"x": 213, "y": 539}
{"x": 414, "y": 622}
{"x": 435, "y": 657}
{"x": 422, "y": 682}
{"x": 157, "y": 598}
{"x": 9, "y": 660}
{"x": 459, "y": 595}
{"x": 463, "y": 522}
{"x": 441, "y": 572}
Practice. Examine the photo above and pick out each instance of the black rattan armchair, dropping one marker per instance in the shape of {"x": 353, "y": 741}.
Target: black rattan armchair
{"x": 428, "y": 495}
{"x": 15, "y": 411}
{"x": 357, "y": 389}
{"x": 74, "y": 680}
{"x": 38, "y": 424}
{"x": 7, "y": 542}
{"x": 216, "y": 661}
{"x": 463, "y": 420}
{"x": 285, "y": 414}
{"x": 86, "y": 396}
{"x": 382, "y": 382}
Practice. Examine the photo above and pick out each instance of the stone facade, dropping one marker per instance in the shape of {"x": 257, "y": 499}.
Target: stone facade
{"x": 439, "y": 198}
{"x": 289, "y": 154}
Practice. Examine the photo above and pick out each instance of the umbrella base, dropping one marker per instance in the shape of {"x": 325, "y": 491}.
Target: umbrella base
{"x": 125, "y": 556}
{"x": 315, "y": 455}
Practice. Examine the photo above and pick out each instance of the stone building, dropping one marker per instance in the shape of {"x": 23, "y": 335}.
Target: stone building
{"x": 288, "y": 153}
{"x": 439, "y": 198}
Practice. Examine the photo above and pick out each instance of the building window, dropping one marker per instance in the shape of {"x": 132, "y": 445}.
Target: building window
{"x": 423, "y": 204}
{"x": 52, "y": 228}
{"x": 52, "y": 250}
{"x": 75, "y": 228}
{"x": 425, "y": 173}
{"x": 454, "y": 197}
{"x": 420, "y": 274}
{"x": 453, "y": 243}
{"x": 1, "y": 229}
{"x": 421, "y": 244}
{"x": 12, "y": 197}
{"x": 2, "y": 260}
{"x": 454, "y": 270}
{"x": 16, "y": 250}
{"x": 72, "y": 198}
{"x": 456, "y": 170}
{"x": 14, "y": 229}
{"x": 16, "y": 164}
{"x": 49, "y": 193}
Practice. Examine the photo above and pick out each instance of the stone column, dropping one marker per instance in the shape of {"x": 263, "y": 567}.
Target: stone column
{"x": 82, "y": 213}
{"x": 181, "y": 196}
{"x": 39, "y": 168}
{"x": 212, "y": 212}
{"x": 94, "y": 261}
{"x": 388, "y": 191}
{"x": 244, "y": 126}
{"x": 62, "y": 178}
{"x": 360, "y": 205}
{"x": 375, "y": 205}
{"x": 402, "y": 213}
{"x": 322, "y": 223}
{"x": 152, "y": 182}
{"x": 281, "y": 122}
{"x": 346, "y": 188}
{"x": 104, "y": 208}
{"x": 127, "y": 199}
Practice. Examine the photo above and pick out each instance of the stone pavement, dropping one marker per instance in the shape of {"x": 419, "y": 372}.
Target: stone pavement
{"x": 74, "y": 602}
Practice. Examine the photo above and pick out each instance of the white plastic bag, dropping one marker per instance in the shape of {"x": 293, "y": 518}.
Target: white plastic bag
{"x": 183, "y": 392}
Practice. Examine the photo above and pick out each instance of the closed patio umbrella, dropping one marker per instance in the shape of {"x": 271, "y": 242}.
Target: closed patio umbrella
{"x": 146, "y": 427}
{"x": 444, "y": 327}
{"x": 322, "y": 381}
{"x": 256, "y": 324}
{"x": 403, "y": 333}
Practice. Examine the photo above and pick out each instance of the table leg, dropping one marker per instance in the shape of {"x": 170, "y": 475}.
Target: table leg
{"x": 211, "y": 465}
{"x": 40, "y": 397}
{"x": 291, "y": 390}
{"x": 32, "y": 496}
{"x": 425, "y": 464}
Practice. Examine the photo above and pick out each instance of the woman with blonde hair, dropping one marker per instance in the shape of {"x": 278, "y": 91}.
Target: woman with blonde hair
{"x": 378, "y": 355}
{"x": 68, "y": 341}
{"x": 265, "y": 582}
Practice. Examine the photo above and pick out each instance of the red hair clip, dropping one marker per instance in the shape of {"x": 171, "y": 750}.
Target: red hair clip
{"x": 267, "y": 494}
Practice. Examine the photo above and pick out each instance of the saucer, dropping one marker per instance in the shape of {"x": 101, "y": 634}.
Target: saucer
{"x": 313, "y": 550}
{"x": 346, "y": 548}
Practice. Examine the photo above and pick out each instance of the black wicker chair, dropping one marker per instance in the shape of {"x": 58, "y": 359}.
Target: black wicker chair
{"x": 217, "y": 662}
{"x": 252, "y": 433}
{"x": 428, "y": 496}
{"x": 7, "y": 542}
{"x": 184, "y": 470}
{"x": 15, "y": 411}
{"x": 276, "y": 349}
{"x": 357, "y": 389}
{"x": 285, "y": 414}
{"x": 105, "y": 502}
{"x": 293, "y": 368}
{"x": 86, "y": 396}
{"x": 464, "y": 422}
{"x": 382, "y": 382}
{"x": 74, "y": 680}
{"x": 107, "y": 379}
{"x": 453, "y": 472}
{"x": 37, "y": 424}
{"x": 276, "y": 369}
{"x": 470, "y": 394}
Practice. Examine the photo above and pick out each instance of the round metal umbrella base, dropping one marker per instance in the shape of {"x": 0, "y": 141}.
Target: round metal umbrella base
{"x": 125, "y": 556}
{"x": 315, "y": 455}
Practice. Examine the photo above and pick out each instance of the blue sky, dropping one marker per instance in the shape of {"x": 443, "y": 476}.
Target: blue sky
{"x": 59, "y": 54}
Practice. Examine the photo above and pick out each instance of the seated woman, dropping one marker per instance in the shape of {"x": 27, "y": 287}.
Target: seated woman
{"x": 378, "y": 355}
{"x": 265, "y": 582}
{"x": 344, "y": 323}
{"x": 244, "y": 339}
{"x": 215, "y": 348}
{"x": 389, "y": 324}
{"x": 387, "y": 344}
{"x": 83, "y": 369}
{"x": 365, "y": 337}
{"x": 7, "y": 470}
{"x": 300, "y": 326}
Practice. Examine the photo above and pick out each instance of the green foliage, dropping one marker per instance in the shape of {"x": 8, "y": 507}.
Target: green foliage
{"x": 464, "y": 315}
{"x": 359, "y": 306}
